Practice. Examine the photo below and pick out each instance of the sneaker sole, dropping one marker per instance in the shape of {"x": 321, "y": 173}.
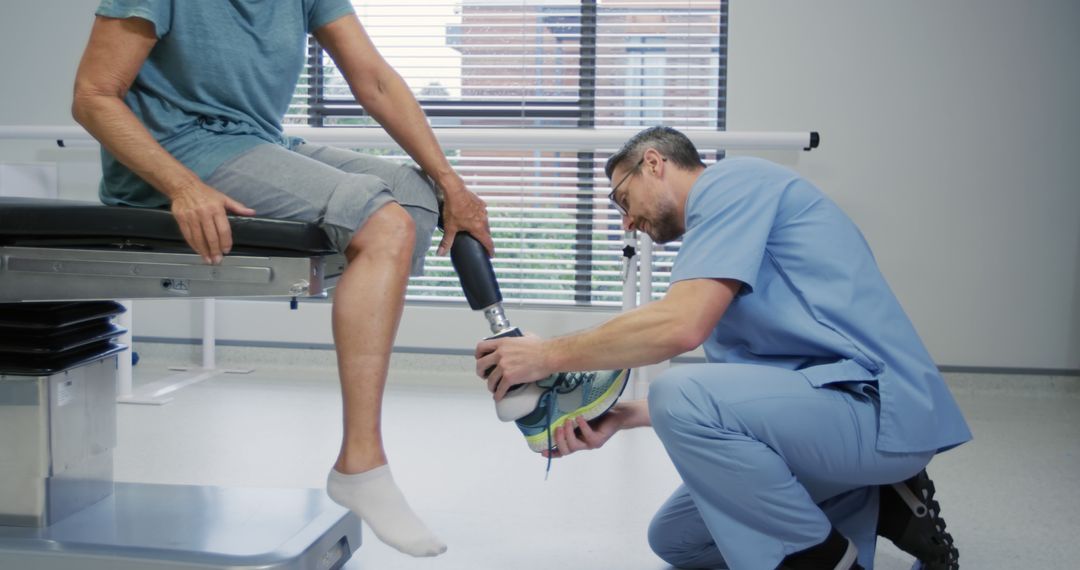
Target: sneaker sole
{"x": 538, "y": 442}
{"x": 933, "y": 547}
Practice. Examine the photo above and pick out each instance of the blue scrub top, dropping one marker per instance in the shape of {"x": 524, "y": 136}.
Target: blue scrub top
{"x": 813, "y": 298}
{"x": 217, "y": 83}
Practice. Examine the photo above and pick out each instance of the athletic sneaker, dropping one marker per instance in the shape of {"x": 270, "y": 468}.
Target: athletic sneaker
{"x": 911, "y": 518}
{"x": 568, "y": 395}
{"x": 539, "y": 408}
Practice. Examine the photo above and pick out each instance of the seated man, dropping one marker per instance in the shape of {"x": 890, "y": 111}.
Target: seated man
{"x": 187, "y": 100}
{"x": 807, "y": 432}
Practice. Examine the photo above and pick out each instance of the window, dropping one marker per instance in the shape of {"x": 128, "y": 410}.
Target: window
{"x": 558, "y": 64}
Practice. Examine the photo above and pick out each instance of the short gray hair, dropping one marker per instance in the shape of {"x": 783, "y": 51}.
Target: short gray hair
{"x": 669, "y": 142}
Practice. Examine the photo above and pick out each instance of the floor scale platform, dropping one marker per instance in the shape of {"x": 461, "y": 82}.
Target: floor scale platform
{"x": 174, "y": 527}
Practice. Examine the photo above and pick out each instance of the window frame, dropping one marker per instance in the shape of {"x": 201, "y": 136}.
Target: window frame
{"x": 320, "y": 108}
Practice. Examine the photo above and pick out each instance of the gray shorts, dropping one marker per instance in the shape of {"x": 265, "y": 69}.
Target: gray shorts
{"x": 333, "y": 187}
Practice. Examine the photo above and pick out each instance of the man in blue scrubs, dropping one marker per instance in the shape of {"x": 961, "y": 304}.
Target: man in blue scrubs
{"x": 807, "y": 432}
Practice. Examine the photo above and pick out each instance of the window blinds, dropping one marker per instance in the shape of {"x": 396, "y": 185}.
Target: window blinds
{"x": 555, "y": 64}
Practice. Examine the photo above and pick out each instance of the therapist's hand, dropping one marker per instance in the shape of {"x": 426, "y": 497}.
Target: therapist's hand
{"x": 576, "y": 434}
{"x": 200, "y": 211}
{"x": 512, "y": 361}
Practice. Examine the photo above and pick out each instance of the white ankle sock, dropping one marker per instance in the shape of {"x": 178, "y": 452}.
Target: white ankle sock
{"x": 375, "y": 497}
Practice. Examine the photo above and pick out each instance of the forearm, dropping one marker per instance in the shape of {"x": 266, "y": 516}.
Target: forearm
{"x": 632, "y": 414}
{"x": 390, "y": 101}
{"x": 113, "y": 124}
{"x": 646, "y": 335}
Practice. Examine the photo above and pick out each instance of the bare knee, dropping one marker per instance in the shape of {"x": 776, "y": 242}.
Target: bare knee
{"x": 389, "y": 232}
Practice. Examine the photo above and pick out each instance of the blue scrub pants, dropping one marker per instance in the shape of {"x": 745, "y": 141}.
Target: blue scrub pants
{"x": 769, "y": 464}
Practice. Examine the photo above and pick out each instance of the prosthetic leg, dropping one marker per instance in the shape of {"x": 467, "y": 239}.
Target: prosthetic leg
{"x": 477, "y": 277}
{"x": 538, "y": 408}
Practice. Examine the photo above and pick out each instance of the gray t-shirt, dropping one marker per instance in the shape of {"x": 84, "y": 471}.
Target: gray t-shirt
{"x": 217, "y": 83}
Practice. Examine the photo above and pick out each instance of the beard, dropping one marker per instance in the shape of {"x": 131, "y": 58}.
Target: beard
{"x": 666, "y": 226}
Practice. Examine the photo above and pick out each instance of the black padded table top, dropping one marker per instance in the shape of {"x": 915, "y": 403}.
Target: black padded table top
{"x": 35, "y": 222}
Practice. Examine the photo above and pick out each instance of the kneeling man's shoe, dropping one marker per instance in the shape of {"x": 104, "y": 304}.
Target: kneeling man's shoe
{"x": 836, "y": 553}
{"x": 562, "y": 396}
{"x": 911, "y": 518}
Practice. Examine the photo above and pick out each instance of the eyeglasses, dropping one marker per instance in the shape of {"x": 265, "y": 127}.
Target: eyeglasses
{"x": 620, "y": 203}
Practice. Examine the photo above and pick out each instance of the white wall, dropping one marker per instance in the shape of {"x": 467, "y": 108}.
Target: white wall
{"x": 947, "y": 133}
{"x": 40, "y": 45}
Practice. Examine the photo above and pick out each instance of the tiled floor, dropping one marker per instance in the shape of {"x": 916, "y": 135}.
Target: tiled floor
{"x": 1011, "y": 497}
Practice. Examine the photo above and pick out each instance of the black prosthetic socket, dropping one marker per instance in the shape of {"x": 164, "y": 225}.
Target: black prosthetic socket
{"x": 824, "y": 556}
{"x": 474, "y": 270}
{"x": 478, "y": 281}
{"x": 477, "y": 278}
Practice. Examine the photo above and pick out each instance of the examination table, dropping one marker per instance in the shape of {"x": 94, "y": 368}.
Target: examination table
{"x": 62, "y": 264}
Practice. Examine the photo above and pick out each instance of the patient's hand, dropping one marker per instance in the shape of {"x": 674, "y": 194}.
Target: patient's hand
{"x": 464, "y": 211}
{"x": 200, "y": 211}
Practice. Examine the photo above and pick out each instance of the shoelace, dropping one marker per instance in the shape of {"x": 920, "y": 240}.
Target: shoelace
{"x": 551, "y": 400}
{"x": 569, "y": 381}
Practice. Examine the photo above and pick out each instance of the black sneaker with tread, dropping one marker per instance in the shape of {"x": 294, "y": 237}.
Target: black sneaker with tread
{"x": 911, "y": 518}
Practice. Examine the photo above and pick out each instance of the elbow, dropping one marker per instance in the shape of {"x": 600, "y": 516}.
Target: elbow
{"x": 80, "y": 99}
{"x": 683, "y": 331}
{"x": 89, "y": 98}
{"x": 375, "y": 84}
{"x": 78, "y": 108}
{"x": 367, "y": 84}
{"x": 78, "y": 112}
{"x": 82, "y": 103}
{"x": 681, "y": 340}
{"x": 367, "y": 94}
{"x": 686, "y": 341}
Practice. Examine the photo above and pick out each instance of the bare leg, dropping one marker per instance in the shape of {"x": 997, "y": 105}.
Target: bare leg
{"x": 367, "y": 309}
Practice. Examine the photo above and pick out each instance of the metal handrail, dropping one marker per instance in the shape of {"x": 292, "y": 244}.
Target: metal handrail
{"x": 480, "y": 138}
